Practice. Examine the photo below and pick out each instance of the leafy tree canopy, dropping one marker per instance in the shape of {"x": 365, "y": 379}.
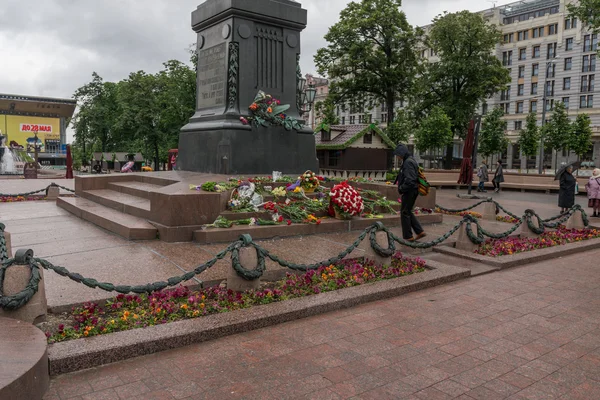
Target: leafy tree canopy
{"x": 371, "y": 52}
{"x": 435, "y": 131}
{"x": 492, "y": 139}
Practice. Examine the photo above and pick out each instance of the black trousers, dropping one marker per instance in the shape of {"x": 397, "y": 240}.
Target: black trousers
{"x": 496, "y": 184}
{"x": 407, "y": 217}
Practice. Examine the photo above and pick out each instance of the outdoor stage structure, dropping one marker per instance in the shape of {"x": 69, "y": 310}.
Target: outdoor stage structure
{"x": 245, "y": 47}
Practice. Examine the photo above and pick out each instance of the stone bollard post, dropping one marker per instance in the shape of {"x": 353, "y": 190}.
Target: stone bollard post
{"x": 489, "y": 211}
{"x": 575, "y": 221}
{"x": 526, "y": 231}
{"x": 8, "y": 244}
{"x": 463, "y": 242}
{"x": 249, "y": 260}
{"x": 381, "y": 238}
{"x": 16, "y": 278}
{"x": 52, "y": 193}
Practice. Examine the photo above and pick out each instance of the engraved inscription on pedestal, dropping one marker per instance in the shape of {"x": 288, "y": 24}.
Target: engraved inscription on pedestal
{"x": 212, "y": 76}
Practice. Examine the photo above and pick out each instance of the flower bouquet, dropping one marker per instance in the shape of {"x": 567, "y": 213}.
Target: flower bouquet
{"x": 267, "y": 110}
{"x": 309, "y": 181}
{"x": 345, "y": 202}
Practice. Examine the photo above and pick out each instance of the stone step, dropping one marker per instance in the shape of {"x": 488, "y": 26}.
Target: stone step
{"x": 328, "y": 225}
{"x": 123, "y": 202}
{"x": 134, "y": 188}
{"x": 125, "y": 225}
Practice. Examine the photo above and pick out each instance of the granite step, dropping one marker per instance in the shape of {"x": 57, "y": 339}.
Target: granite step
{"x": 134, "y": 188}
{"x": 125, "y": 225}
{"x": 123, "y": 202}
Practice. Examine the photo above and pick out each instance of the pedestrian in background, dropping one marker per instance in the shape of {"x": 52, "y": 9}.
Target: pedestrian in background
{"x": 593, "y": 192}
{"x": 566, "y": 191}
{"x": 482, "y": 173}
{"x": 498, "y": 177}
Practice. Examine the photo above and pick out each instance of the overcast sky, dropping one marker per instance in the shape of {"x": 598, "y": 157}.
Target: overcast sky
{"x": 51, "y": 47}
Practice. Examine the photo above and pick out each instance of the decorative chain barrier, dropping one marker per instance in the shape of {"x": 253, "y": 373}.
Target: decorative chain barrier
{"x": 36, "y": 191}
{"x": 25, "y": 257}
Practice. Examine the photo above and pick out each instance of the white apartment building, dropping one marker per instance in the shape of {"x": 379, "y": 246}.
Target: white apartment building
{"x": 538, "y": 36}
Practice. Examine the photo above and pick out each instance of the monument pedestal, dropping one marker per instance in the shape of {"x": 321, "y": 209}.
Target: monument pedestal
{"x": 241, "y": 152}
{"x": 245, "y": 47}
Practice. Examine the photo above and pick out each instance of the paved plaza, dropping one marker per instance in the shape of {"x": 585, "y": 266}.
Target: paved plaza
{"x": 527, "y": 333}
{"x": 530, "y": 332}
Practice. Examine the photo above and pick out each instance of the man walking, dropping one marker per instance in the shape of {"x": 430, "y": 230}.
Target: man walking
{"x": 408, "y": 187}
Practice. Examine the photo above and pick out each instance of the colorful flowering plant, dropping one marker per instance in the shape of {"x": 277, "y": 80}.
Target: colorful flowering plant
{"x": 14, "y": 199}
{"x": 507, "y": 219}
{"x": 514, "y": 245}
{"x": 309, "y": 180}
{"x": 139, "y": 311}
{"x": 345, "y": 200}
{"x": 267, "y": 110}
{"x": 460, "y": 214}
{"x": 423, "y": 211}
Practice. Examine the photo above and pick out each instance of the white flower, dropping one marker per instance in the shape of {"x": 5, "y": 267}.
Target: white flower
{"x": 252, "y": 221}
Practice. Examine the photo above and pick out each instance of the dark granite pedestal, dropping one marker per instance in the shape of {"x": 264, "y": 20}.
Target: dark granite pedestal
{"x": 239, "y": 152}
{"x": 245, "y": 47}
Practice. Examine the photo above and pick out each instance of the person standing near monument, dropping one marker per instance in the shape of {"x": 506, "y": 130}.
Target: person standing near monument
{"x": 408, "y": 188}
{"x": 483, "y": 176}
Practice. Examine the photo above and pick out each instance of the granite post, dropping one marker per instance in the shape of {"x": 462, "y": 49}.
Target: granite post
{"x": 16, "y": 279}
{"x": 489, "y": 211}
{"x": 381, "y": 238}
{"x": 575, "y": 221}
{"x": 248, "y": 260}
{"x": 243, "y": 47}
{"x": 463, "y": 242}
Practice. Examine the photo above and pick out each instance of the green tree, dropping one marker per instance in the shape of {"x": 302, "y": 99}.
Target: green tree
{"x": 580, "y": 140}
{"x": 529, "y": 138}
{"x": 434, "y": 132}
{"x": 141, "y": 113}
{"x": 492, "y": 139}
{"x": 587, "y": 11}
{"x": 371, "y": 52}
{"x": 558, "y": 129}
{"x": 98, "y": 109}
{"x": 467, "y": 73}
{"x": 403, "y": 126}
{"x": 325, "y": 112}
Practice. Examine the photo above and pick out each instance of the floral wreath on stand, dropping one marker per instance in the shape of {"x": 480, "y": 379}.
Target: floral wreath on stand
{"x": 268, "y": 111}
{"x": 309, "y": 181}
{"x": 345, "y": 202}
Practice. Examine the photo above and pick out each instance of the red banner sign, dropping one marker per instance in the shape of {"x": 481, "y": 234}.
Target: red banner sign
{"x": 36, "y": 127}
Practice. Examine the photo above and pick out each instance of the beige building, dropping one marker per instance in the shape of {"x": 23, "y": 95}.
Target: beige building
{"x": 538, "y": 37}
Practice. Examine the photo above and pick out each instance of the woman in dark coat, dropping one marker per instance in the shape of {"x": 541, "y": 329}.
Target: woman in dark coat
{"x": 498, "y": 177}
{"x": 566, "y": 193}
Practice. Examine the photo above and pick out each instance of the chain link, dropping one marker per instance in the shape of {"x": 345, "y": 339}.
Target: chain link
{"x": 18, "y": 300}
{"x": 36, "y": 191}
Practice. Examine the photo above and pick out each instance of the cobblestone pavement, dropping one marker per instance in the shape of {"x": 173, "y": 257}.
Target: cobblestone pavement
{"x": 531, "y": 332}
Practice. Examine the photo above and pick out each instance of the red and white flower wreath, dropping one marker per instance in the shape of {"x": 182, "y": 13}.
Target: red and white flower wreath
{"x": 346, "y": 199}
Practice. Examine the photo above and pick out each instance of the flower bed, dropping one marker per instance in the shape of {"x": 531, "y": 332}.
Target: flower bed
{"x": 133, "y": 311}
{"x": 14, "y": 199}
{"x": 460, "y": 214}
{"x": 514, "y": 245}
{"x": 507, "y": 218}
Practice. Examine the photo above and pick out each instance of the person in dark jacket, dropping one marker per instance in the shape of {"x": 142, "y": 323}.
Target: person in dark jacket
{"x": 498, "y": 177}
{"x": 566, "y": 193}
{"x": 408, "y": 187}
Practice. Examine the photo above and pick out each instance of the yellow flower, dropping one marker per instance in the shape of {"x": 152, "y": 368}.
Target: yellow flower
{"x": 184, "y": 306}
{"x": 112, "y": 321}
{"x": 85, "y": 333}
{"x": 202, "y": 304}
{"x": 126, "y": 314}
{"x": 203, "y": 297}
{"x": 135, "y": 316}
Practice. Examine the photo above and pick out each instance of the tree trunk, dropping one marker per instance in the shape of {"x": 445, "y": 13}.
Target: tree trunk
{"x": 389, "y": 101}
{"x": 449, "y": 156}
{"x": 156, "y": 166}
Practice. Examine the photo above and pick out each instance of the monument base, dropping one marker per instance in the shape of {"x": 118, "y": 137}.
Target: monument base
{"x": 259, "y": 150}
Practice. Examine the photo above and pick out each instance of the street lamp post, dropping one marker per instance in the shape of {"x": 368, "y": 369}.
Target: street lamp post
{"x": 306, "y": 96}
{"x": 544, "y": 97}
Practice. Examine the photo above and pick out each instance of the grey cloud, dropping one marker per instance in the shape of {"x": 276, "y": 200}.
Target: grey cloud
{"x": 58, "y": 43}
